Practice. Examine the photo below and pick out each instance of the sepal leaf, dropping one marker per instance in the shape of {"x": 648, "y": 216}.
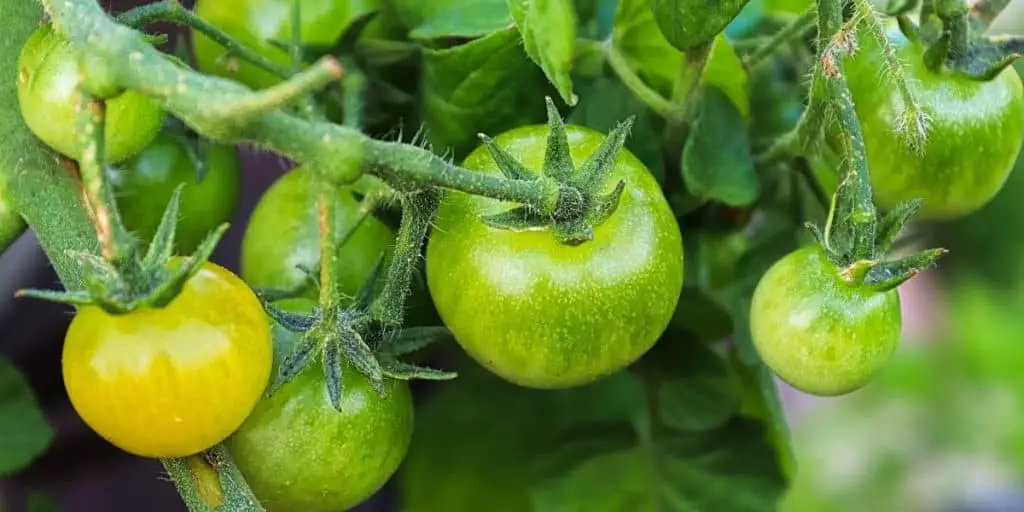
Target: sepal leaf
{"x": 298, "y": 359}
{"x": 404, "y": 371}
{"x": 333, "y": 372}
{"x": 890, "y": 274}
{"x": 890, "y": 224}
{"x": 522, "y": 218}
{"x": 512, "y": 169}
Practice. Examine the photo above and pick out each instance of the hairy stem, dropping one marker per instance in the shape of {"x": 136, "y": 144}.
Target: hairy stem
{"x": 327, "y": 214}
{"x": 954, "y": 16}
{"x": 807, "y": 129}
{"x": 338, "y": 153}
{"x": 116, "y": 244}
{"x": 172, "y": 11}
{"x": 796, "y": 29}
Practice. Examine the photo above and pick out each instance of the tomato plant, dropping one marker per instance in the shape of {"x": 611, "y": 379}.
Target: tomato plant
{"x": 974, "y": 131}
{"x": 540, "y": 166}
{"x": 144, "y": 183}
{"x": 174, "y": 381}
{"x": 294, "y": 448}
{"x": 48, "y": 100}
{"x": 817, "y": 332}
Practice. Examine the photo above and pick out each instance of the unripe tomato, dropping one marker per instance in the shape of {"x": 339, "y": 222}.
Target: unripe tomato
{"x": 48, "y": 76}
{"x": 975, "y": 129}
{"x": 283, "y": 234}
{"x": 174, "y": 381}
{"x": 298, "y": 453}
{"x": 144, "y": 184}
{"x": 256, "y": 22}
{"x": 816, "y": 331}
{"x": 543, "y": 314}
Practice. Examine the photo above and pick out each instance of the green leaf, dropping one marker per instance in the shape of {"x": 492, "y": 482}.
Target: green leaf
{"x": 549, "y": 35}
{"x": 604, "y": 103}
{"x": 485, "y": 86}
{"x": 717, "y": 163}
{"x": 34, "y": 182}
{"x": 468, "y": 21}
{"x": 690, "y": 23}
{"x": 637, "y": 37}
{"x": 24, "y": 433}
{"x": 729, "y": 469}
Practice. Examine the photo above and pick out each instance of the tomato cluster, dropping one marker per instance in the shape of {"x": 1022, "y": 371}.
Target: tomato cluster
{"x": 533, "y": 309}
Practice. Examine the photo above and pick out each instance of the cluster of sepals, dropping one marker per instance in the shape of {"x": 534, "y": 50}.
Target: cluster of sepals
{"x": 953, "y": 38}
{"x": 368, "y": 334}
{"x": 581, "y": 206}
{"x": 122, "y": 285}
{"x": 859, "y": 247}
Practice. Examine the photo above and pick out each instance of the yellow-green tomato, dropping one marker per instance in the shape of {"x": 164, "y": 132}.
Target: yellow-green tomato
{"x": 543, "y": 314}
{"x": 48, "y": 75}
{"x": 818, "y": 332}
{"x": 174, "y": 381}
{"x": 298, "y": 453}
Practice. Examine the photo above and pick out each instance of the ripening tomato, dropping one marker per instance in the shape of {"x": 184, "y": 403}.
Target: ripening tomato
{"x": 48, "y": 96}
{"x": 543, "y": 314}
{"x": 173, "y": 381}
{"x": 283, "y": 234}
{"x": 816, "y": 331}
{"x": 298, "y": 453}
{"x": 975, "y": 129}
{"x": 256, "y": 22}
{"x": 144, "y": 184}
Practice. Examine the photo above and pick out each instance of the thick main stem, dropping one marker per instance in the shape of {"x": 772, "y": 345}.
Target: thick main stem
{"x": 327, "y": 213}
{"x": 338, "y": 153}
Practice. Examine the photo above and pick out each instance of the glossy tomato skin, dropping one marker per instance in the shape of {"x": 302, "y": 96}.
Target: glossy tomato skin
{"x": 975, "y": 131}
{"x": 547, "y": 315}
{"x": 174, "y": 381}
{"x": 256, "y": 22}
{"x": 283, "y": 234}
{"x": 48, "y": 97}
{"x": 144, "y": 185}
{"x": 817, "y": 332}
{"x": 298, "y": 453}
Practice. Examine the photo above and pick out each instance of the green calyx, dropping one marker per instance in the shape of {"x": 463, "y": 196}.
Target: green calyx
{"x": 859, "y": 246}
{"x": 351, "y": 334}
{"x": 122, "y": 286}
{"x": 951, "y": 36}
{"x": 582, "y": 205}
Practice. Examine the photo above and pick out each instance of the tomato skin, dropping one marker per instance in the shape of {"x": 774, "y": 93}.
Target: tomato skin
{"x": 543, "y": 314}
{"x": 975, "y": 131}
{"x": 298, "y": 453}
{"x": 144, "y": 185}
{"x": 817, "y": 332}
{"x": 175, "y": 381}
{"x": 48, "y": 97}
{"x": 256, "y": 22}
{"x": 283, "y": 233}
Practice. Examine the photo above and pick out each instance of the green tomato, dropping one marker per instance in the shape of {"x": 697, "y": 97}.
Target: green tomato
{"x": 975, "y": 130}
{"x": 283, "y": 235}
{"x": 816, "y": 331}
{"x": 256, "y": 22}
{"x": 547, "y": 315}
{"x": 48, "y": 96}
{"x": 144, "y": 185}
{"x": 298, "y": 453}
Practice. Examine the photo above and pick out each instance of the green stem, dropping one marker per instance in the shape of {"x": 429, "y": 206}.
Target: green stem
{"x": 686, "y": 98}
{"x": 172, "y": 11}
{"x": 417, "y": 212}
{"x": 211, "y": 482}
{"x": 954, "y": 16}
{"x": 652, "y": 98}
{"x": 354, "y": 86}
{"x": 291, "y": 91}
{"x": 116, "y": 245}
{"x": 338, "y": 153}
{"x": 327, "y": 215}
{"x": 862, "y": 214}
{"x": 807, "y": 129}
{"x": 795, "y": 29}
